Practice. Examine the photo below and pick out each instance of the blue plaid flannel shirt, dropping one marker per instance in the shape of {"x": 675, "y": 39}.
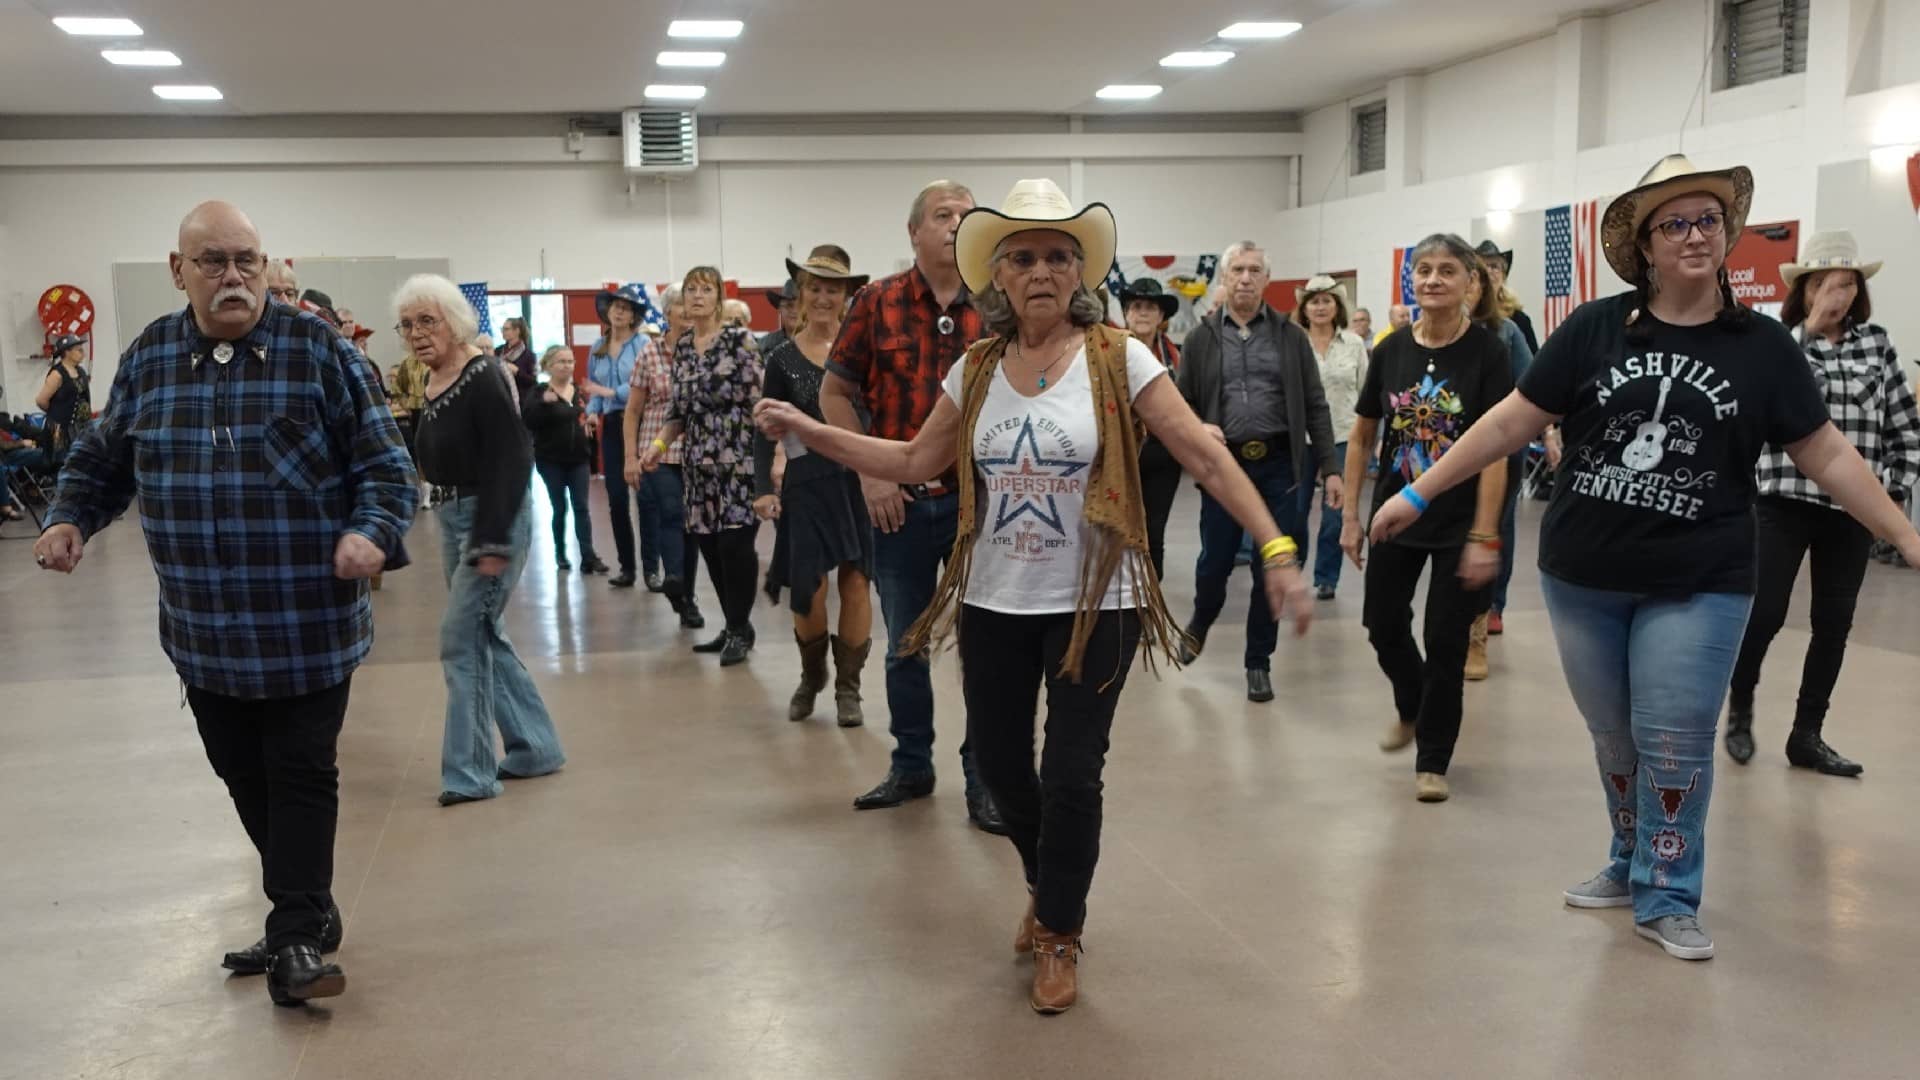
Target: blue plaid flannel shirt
{"x": 247, "y": 475}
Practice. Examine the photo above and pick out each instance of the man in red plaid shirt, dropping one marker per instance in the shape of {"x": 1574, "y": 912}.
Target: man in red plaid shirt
{"x": 901, "y": 335}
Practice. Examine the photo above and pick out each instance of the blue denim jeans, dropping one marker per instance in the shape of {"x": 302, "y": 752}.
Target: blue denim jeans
{"x": 569, "y": 483}
{"x": 663, "y": 524}
{"x": 487, "y": 686}
{"x": 1220, "y": 540}
{"x": 1649, "y": 673}
{"x": 906, "y": 566}
{"x": 1326, "y": 539}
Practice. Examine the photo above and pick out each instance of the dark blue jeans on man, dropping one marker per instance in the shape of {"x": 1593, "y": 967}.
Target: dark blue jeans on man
{"x": 1220, "y": 538}
{"x": 907, "y": 568}
{"x": 1326, "y": 539}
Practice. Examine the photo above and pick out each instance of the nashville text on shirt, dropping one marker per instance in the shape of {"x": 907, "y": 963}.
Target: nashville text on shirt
{"x": 1684, "y": 369}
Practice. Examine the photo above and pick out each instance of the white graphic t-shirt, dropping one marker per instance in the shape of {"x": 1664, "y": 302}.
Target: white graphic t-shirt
{"x": 1032, "y": 458}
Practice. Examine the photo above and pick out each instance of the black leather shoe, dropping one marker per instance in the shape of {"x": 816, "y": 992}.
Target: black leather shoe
{"x": 1325, "y": 592}
{"x": 255, "y": 959}
{"x": 298, "y": 975}
{"x": 455, "y": 798}
{"x": 1259, "y": 685}
{"x": 1189, "y": 655}
{"x": 1740, "y": 735}
{"x": 739, "y": 644}
{"x": 984, "y": 815}
{"x": 691, "y": 619}
{"x": 717, "y": 645}
{"x": 897, "y": 788}
{"x": 624, "y": 581}
{"x": 561, "y": 563}
{"x": 656, "y": 583}
{"x": 1807, "y": 750}
{"x": 593, "y": 565}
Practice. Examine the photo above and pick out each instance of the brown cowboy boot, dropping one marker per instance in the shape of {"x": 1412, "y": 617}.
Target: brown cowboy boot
{"x": 1023, "y": 934}
{"x": 1476, "y": 669}
{"x": 1056, "y": 970}
{"x": 847, "y": 661}
{"x": 813, "y": 676}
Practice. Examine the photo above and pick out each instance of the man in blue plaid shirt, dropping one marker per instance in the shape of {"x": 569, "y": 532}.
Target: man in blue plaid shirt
{"x": 272, "y": 483}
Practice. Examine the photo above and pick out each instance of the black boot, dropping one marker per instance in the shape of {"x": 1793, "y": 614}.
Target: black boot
{"x": 1259, "y": 685}
{"x": 716, "y": 645}
{"x": 1740, "y": 733}
{"x": 739, "y": 644}
{"x": 591, "y": 564}
{"x": 897, "y": 788}
{"x": 984, "y": 815}
{"x": 1807, "y": 750}
{"x": 255, "y": 959}
{"x": 1188, "y": 654}
{"x": 298, "y": 975}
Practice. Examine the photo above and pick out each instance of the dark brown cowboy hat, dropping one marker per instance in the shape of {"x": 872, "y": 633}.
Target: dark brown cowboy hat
{"x": 829, "y": 262}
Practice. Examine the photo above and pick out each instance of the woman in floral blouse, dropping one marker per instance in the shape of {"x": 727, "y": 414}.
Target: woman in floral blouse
{"x": 716, "y": 381}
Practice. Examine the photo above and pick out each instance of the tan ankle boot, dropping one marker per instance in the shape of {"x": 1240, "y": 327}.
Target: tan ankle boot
{"x": 1023, "y": 934}
{"x": 1397, "y": 737}
{"x": 848, "y": 660}
{"x": 1476, "y": 669}
{"x": 1056, "y": 970}
{"x": 813, "y": 676}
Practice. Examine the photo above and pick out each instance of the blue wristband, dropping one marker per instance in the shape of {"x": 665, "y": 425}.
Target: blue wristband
{"x": 1413, "y": 497}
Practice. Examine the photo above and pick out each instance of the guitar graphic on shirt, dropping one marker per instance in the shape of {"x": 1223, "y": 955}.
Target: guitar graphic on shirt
{"x": 1646, "y": 449}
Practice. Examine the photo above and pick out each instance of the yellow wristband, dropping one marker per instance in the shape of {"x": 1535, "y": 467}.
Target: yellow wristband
{"x": 1277, "y": 547}
{"x": 661, "y": 445}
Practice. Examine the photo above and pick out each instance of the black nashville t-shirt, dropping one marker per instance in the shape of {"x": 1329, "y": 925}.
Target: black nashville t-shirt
{"x": 1426, "y": 399}
{"x": 1656, "y": 490}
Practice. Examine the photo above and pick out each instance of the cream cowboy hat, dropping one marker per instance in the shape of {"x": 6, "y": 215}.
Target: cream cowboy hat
{"x": 1836, "y": 250}
{"x": 1322, "y": 283}
{"x": 1670, "y": 178}
{"x": 1034, "y": 204}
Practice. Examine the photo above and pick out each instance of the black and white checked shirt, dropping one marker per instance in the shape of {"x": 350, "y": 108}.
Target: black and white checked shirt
{"x": 1872, "y": 404}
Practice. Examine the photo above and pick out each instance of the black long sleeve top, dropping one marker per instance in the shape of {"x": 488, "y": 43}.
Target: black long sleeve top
{"x": 469, "y": 437}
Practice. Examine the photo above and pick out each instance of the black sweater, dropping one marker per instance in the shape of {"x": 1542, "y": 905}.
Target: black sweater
{"x": 558, "y": 438}
{"x": 469, "y": 437}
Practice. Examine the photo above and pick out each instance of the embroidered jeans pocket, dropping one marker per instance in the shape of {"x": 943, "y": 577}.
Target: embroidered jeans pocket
{"x": 296, "y": 454}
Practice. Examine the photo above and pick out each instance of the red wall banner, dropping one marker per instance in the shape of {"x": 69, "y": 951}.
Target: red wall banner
{"x": 1753, "y": 266}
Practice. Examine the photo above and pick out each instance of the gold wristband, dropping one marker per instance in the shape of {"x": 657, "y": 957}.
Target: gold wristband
{"x": 1277, "y": 547}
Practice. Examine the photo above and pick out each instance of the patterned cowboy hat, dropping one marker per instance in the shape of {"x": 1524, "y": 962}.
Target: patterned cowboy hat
{"x": 1671, "y": 177}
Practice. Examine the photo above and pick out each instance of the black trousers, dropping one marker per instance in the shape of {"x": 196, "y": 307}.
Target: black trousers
{"x": 1426, "y": 693}
{"x": 734, "y": 568}
{"x": 1053, "y": 816}
{"x": 1836, "y": 547}
{"x": 277, "y": 758}
{"x": 1159, "y": 483}
{"x": 613, "y": 466}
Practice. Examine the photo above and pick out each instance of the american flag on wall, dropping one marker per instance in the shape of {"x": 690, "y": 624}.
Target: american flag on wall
{"x": 1573, "y": 248}
{"x": 476, "y": 294}
{"x": 1403, "y": 276}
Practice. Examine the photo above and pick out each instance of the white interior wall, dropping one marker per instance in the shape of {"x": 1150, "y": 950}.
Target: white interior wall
{"x": 1505, "y": 98}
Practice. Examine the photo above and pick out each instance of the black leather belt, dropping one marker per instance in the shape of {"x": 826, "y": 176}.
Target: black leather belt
{"x": 1259, "y": 449}
{"x": 927, "y": 491}
{"x": 438, "y": 495}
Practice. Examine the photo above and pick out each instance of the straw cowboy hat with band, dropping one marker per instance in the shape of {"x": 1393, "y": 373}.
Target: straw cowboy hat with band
{"x": 1034, "y": 204}
{"x": 1671, "y": 178}
{"x": 1835, "y": 250}
{"x": 829, "y": 262}
{"x": 1322, "y": 283}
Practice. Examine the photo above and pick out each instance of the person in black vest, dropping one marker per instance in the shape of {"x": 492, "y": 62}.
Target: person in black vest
{"x": 66, "y": 396}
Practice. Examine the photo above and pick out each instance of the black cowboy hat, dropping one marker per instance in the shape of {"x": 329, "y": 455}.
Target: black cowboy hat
{"x": 67, "y": 342}
{"x": 1489, "y": 248}
{"x": 785, "y": 294}
{"x": 1147, "y": 288}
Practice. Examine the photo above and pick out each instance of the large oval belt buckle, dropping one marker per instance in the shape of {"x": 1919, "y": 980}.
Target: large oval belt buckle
{"x": 1253, "y": 450}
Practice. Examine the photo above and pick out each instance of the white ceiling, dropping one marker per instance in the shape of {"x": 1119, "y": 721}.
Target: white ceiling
{"x": 275, "y": 57}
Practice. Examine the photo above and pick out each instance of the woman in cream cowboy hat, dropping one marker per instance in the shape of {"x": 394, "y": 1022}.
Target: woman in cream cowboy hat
{"x": 820, "y": 518}
{"x": 1666, "y": 396}
{"x": 1322, "y": 310}
{"x": 1050, "y": 581}
{"x": 1867, "y": 393}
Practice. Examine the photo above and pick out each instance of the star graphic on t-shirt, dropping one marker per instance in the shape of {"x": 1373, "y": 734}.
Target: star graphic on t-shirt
{"x": 1024, "y": 460}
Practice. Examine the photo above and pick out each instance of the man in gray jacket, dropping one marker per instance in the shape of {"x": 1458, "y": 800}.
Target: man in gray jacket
{"x": 1250, "y": 374}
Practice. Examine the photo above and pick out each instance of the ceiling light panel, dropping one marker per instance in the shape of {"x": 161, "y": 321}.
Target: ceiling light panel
{"x": 1196, "y": 58}
{"x": 669, "y": 92}
{"x": 1259, "y": 31}
{"x": 1127, "y": 92}
{"x": 87, "y": 26}
{"x": 140, "y": 57}
{"x": 188, "y": 93}
{"x": 691, "y": 59}
{"x": 705, "y": 28}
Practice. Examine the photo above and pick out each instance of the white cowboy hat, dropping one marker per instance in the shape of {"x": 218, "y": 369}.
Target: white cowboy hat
{"x": 1671, "y": 177}
{"x": 1034, "y": 204}
{"x": 1836, "y": 250}
{"x": 1322, "y": 283}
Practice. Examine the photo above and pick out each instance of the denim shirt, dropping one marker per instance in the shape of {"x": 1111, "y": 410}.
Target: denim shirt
{"x": 615, "y": 373}
{"x": 248, "y": 472}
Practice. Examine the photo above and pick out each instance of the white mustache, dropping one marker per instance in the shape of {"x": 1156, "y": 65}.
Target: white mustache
{"x": 236, "y": 293}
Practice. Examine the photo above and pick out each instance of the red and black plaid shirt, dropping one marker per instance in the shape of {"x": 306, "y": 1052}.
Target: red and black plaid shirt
{"x": 891, "y": 347}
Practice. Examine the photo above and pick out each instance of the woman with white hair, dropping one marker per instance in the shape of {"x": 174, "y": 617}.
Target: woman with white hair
{"x": 473, "y": 450}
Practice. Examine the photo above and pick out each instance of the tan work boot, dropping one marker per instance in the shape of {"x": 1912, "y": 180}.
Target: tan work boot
{"x": 1056, "y": 970}
{"x": 1397, "y": 736}
{"x": 1477, "y": 651}
{"x": 813, "y": 676}
{"x": 848, "y": 660}
{"x": 1430, "y": 787}
{"x": 1023, "y": 934}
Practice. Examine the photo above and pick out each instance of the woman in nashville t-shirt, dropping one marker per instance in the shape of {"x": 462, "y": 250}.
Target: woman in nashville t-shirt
{"x": 1666, "y": 396}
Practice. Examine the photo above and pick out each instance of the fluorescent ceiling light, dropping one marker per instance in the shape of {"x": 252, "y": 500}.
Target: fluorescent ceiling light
{"x": 705, "y": 28}
{"x": 1259, "y": 31}
{"x": 1196, "y": 58}
{"x": 188, "y": 93}
{"x": 1124, "y": 92}
{"x": 91, "y": 27}
{"x": 140, "y": 57}
{"x": 691, "y": 59}
{"x": 667, "y": 92}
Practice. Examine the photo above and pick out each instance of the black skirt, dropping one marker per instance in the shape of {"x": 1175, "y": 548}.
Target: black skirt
{"x": 823, "y": 525}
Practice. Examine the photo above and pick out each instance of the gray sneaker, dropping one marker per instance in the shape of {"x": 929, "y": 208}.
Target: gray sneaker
{"x": 1681, "y": 935}
{"x": 1599, "y": 891}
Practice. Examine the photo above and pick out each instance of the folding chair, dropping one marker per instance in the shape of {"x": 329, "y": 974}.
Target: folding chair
{"x": 1538, "y": 475}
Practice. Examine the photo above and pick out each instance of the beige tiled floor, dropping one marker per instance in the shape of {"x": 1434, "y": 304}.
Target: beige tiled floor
{"x": 693, "y": 897}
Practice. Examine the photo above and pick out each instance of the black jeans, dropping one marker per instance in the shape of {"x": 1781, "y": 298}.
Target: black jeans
{"x": 613, "y": 470}
{"x": 1426, "y": 693}
{"x": 1220, "y": 539}
{"x": 1054, "y": 816}
{"x": 277, "y": 758}
{"x": 1790, "y": 531}
{"x": 1159, "y": 483}
{"x": 566, "y": 482}
{"x": 734, "y": 567}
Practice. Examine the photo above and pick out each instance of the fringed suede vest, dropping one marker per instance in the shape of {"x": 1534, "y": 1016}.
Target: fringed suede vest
{"x": 1116, "y": 515}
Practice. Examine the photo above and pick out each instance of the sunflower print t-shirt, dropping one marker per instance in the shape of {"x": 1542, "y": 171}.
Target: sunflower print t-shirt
{"x": 1425, "y": 399}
